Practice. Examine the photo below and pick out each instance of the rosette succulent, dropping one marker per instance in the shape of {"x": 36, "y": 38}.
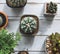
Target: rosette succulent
{"x": 53, "y": 44}
{"x": 51, "y": 7}
{"x": 16, "y": 3}
{"x": 28, "y": 25}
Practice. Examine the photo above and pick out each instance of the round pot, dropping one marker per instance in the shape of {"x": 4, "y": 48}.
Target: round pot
{"x": 4, "y": 18}
{"x": 23, "y": 52}
{"x": 16, "y": 3}
{"x": 37, "y": 20}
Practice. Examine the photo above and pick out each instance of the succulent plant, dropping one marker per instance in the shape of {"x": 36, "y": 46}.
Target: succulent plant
{"x": 51, "y": 7}
{"x": 16, "y": 3}
{"x": 53, "y": 44}
{"x": 1, "y": 21}
{"x": 8, "y": 41}
{"x": 28, "y": 25}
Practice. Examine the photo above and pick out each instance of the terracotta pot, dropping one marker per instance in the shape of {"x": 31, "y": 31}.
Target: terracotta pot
{"x": 5, "y": 20}
{"x": 17, "y": 3}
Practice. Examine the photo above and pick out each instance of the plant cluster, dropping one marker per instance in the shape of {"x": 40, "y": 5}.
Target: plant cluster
{"x": 53, "y": 45}
{"x": 8, "y": 41}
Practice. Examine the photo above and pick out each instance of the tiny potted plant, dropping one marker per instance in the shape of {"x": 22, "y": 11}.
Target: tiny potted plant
{"x": 23, "y": 52}
{"x": 53, "y": 44}
{"x": 8, "y": 41}
{"x": 50, "y": 8}
{"x": 3, "y": 20}
{"x": 29, "y": 24}
{"x": 16, "y": 3}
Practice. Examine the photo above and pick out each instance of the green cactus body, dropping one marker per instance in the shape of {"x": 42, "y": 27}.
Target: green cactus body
{"x": 52, "y": 7}
{"x": 1, "y": 20}
{"x": 28, "y": 24}
{"x": 16, "y": 3}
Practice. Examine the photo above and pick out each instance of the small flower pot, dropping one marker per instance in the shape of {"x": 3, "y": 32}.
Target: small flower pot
{"x": 23, "y": 52}
{"x": 46, "y": 11}
{"x": 3, "y": 20}
{"x": 29, "y": 25}
{"x": 16, "y": 3}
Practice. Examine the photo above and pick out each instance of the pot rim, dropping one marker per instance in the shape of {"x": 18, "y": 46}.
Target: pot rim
{"x": 16, "y": 7}
{"x": 36, "y": 18}
{"x": 6, "y": 19}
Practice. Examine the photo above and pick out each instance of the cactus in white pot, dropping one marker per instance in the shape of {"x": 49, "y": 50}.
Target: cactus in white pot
{"x": 16, "y": 3}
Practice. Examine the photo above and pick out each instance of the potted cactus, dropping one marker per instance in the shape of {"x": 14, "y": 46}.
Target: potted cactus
{"x": 8, "y": 41}
{"x": 3, "y": 20}
{"x": 23, "y": 52}
{"x": 16, "y": 3}
{"x": 53, "y": 44}
{"x": 29, "y": 24}
{"x": 50, "y": 8}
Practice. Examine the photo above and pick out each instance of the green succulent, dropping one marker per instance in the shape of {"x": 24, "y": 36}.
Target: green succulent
{"x": 16, "y": 3}
{"x": 55, "y": 41}
{"x": 1, "y": 20}
{"x": 52, "y": 7}
{"x": 8, "y": 41}
{"x": 28, "y": 24}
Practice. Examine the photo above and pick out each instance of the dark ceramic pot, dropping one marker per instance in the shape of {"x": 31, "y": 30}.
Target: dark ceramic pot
{"x": 23, "y": 52}
{"x": 16, "y": 3}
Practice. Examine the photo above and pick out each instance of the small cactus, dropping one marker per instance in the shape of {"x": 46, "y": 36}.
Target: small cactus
{"x": 51, "y": 7}
{"x": 28, "y": 25}
{"x": 1, "y": 21}
{"x": 16, "y": 3}
{"x": 55, "y": 43}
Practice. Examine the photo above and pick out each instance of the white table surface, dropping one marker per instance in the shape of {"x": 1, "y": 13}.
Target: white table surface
{"x": 35, "y": 45}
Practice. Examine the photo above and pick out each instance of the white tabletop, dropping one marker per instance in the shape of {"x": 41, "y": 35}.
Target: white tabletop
{"x": 35, "y": 45}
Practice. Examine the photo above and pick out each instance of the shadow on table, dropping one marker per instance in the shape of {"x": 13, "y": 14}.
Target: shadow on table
{"x": 44, "y": 25}
{"x": 13, "y": 11}
{"x": 43, "y": 48}
{"x": 26, "y": 42}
